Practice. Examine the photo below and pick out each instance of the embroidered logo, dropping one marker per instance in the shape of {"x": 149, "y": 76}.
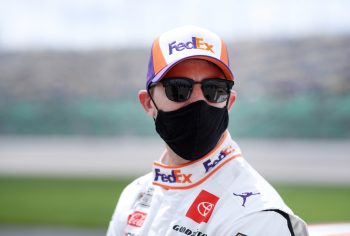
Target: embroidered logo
{"x": 146, "y": 198}
{"x": 187, "y": 231}
{"x": 202, "y": 207}
{"x": 137, "y": 219}
{"x": 244, "y": 196}
{"x": 194, "y": 43}
{"x": 176, "y": 176}
{"x": 209, "y": 164}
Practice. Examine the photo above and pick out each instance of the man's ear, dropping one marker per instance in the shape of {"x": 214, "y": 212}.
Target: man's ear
{"x": 147, "y": 103}
{"x": 231, "y": 100}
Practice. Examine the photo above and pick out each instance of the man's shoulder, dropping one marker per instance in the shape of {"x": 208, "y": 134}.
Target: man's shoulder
{"x": 139, "y": 183}
{"x": 132, "y": 192}
{"x": 250, "y": 190}
{"x": 247, "y": 196}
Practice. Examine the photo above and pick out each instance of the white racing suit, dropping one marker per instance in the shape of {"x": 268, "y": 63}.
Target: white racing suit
{"x": 217, "y": 195}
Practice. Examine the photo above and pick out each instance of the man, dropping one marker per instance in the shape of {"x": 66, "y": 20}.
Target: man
{"x": 201, "y": 184}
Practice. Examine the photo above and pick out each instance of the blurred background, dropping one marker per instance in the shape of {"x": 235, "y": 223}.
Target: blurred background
{"x": 72, "y": 133}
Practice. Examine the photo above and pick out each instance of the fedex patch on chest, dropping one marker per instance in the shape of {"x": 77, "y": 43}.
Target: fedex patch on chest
{"x": 202, "y": 207}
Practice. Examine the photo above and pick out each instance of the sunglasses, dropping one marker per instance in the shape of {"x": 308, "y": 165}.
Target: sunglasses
{"x": 179, "y": 89}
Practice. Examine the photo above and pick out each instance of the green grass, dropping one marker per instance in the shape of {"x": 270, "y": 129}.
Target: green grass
{"x": 318, "y": 203}
{"x": 59, "y": 201}
{"x": 91, "y": 202}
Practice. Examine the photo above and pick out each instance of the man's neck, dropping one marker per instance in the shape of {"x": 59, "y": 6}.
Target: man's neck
{"x": 170, "y": 158}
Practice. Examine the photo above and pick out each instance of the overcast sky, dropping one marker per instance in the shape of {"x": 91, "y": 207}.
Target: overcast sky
{"x": 88, "y": 24}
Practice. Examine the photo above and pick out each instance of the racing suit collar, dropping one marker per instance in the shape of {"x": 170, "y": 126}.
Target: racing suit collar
{"x": 194, "y": 173}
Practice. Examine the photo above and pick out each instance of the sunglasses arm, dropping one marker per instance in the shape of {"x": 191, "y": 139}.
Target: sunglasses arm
{"x": 149, "y": 94}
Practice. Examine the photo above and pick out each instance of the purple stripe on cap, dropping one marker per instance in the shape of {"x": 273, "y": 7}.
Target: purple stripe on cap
{"x": 150, "y": 72}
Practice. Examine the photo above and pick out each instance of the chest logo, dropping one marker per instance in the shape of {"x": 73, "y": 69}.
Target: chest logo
{"x": 202, "y": 207}
{"x": 244, "y": 196}
{"x": 137, "y": 219}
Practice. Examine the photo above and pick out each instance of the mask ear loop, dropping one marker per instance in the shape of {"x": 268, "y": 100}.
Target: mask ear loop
{"x": 149, "y": 93}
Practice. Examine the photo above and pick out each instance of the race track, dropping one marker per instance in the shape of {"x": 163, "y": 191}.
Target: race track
{"x": 301, "y": 161}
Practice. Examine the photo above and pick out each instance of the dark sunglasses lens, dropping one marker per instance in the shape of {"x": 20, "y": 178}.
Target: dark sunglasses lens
{"x": 178, "y": 90}
{"x": 215, "y": 90}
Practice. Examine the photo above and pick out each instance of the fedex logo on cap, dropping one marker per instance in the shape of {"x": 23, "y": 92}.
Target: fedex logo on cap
{"x": 194, "y": 43}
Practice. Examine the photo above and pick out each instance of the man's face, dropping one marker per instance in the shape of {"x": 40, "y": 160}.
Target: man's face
{"x": 195, "y": 69}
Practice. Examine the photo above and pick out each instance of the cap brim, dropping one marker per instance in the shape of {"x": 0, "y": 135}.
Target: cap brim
{"x": 225, "y": 69}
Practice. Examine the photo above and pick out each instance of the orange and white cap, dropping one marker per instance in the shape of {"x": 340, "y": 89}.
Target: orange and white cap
{"x": 183, "y": 43}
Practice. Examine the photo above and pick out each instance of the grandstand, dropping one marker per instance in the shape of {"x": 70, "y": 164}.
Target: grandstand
{"x": 304, "y": 82}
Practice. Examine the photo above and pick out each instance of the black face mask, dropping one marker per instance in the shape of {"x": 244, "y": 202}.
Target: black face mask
{"x": 194, "y": 130}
